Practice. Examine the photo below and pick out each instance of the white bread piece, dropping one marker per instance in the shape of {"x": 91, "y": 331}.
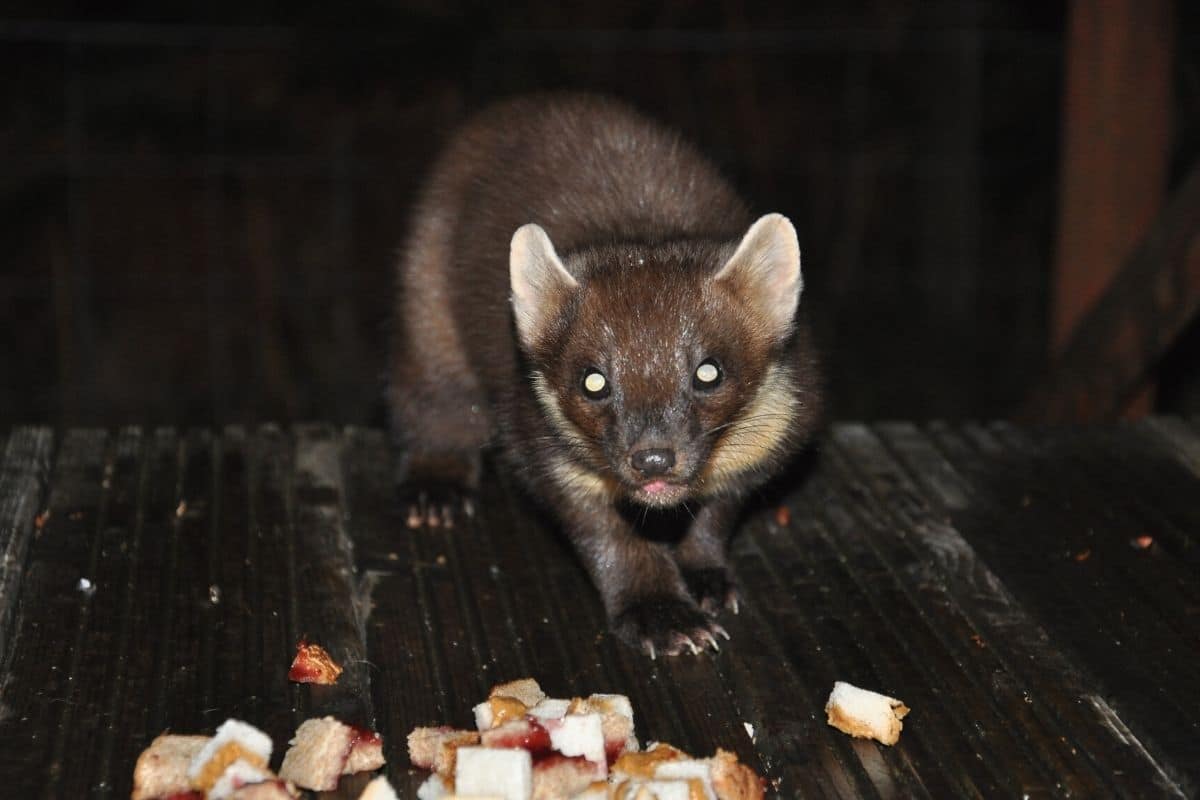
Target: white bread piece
{"x": 865, "y": 714}
{"x": 483, "y": 771}
{"x": 162, "y": 767}
{"x": 318, "y": 753}
{"x": 433, "y": 788}
{"x": 484, "y": 716}
{"x": 557, "y": 777}
{"x": 616, "y": 721}
{"x": 578, "y": 735}
{"x": 733, "y": 780}
{"x": 435, "y": 748}
{"x": 550, "y": 708}
{"x": 611, "y": 703}
{"x": 526, "y": 690}
{"x": 691, "y": 769}
{"x": 378, "y": 789}
{"x": 238, "y": 774}
{"x": 366, "y": 753}
{"x": 234, "y": 740}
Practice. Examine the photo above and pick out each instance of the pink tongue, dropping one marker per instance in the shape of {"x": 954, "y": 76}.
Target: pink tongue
{"x": 654, "y": 487}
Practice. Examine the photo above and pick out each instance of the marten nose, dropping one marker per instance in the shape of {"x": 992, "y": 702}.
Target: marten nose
{"x": 653, "y": 461}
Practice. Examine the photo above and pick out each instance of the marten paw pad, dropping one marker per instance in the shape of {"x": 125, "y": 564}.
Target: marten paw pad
{"x": 435, "y": 505}
{"x": 713, "y": 588}
{"x": 669, "y": 626}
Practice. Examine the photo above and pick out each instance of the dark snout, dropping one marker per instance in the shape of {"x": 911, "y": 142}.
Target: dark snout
{"x": 653, "y": 462}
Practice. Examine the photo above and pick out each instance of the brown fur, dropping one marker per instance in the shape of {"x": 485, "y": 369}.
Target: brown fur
{"x": 642, "y": 224}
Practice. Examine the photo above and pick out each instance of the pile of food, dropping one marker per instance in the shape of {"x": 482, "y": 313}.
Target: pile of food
{"x": 526, "y": 746}
{"x": 530, "y": 746}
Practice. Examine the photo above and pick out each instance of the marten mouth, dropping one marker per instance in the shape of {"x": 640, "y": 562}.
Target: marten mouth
{"x": 660, "y": 494}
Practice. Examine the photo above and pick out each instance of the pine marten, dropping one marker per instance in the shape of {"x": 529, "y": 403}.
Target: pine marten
{"x": 583, "y": 291}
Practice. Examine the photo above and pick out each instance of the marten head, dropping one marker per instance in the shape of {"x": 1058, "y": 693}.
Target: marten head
{"x": 657, "y": 365}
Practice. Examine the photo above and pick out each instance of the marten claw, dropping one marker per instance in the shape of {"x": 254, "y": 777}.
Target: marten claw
{"x": 436, "y": 505}
{"x": 713, "y": 588}
{"x": 666, "y": 625}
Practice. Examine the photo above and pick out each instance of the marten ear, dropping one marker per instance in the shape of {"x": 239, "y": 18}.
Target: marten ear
{"x": 765, "y": 272}
{"x": 539, "y": 281}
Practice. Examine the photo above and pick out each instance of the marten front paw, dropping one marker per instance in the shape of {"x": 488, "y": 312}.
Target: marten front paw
{"x": 667, "y": 625}
{"x": 433, "y": 504}
{"x": 713, "y": 587}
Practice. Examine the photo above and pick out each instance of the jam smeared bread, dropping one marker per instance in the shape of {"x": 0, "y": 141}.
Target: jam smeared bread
{"x": 325, "y": 749}
{"x": 233, "y": 763}
{"x": 583, "y": 291}
{"x": 865, "y": 714}
{"x": 581, "y": 748}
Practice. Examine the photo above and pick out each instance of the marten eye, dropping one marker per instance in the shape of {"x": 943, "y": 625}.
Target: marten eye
{"x": 708, "y": 375}
{"x": 595, "y": 385}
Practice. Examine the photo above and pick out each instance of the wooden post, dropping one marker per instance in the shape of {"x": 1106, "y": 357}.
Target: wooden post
{"x": 1126, "y": 332}
{"x": 1115, "y": 150}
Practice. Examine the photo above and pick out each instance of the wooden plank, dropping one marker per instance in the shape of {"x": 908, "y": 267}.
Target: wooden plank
{"x": 973, "y": 680}
{"x": 184, "y": 624}
{"x": 1128, "y": 329}
{"x": 95, "y": 667}
{"x": 797, "y": 620}
{"x": 121, "y": 648}
{"x": 1138, "y": 476}
{"x": 1116, "y": 144}
{"x": 898, "y": 637}
{"x": 24, "y": 471}
{"x": 52, "y": 612}
{"x": 328, "y": 602}
{"x": 1038, "y": 689}
{"x": 1032, "y": 530}
{"x": 404, "y": 680}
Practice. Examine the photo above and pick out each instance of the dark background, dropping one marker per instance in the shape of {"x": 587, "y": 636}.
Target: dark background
{"x": 200, "y": 212}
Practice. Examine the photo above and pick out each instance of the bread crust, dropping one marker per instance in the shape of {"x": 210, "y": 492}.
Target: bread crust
{"x": 161, "y": 768}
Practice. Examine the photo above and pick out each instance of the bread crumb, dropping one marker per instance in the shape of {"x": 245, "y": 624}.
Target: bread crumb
{"x": 865, "y": 714}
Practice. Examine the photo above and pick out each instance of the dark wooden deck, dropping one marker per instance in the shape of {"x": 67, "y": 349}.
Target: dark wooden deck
{"x": 1032, "y": 596}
